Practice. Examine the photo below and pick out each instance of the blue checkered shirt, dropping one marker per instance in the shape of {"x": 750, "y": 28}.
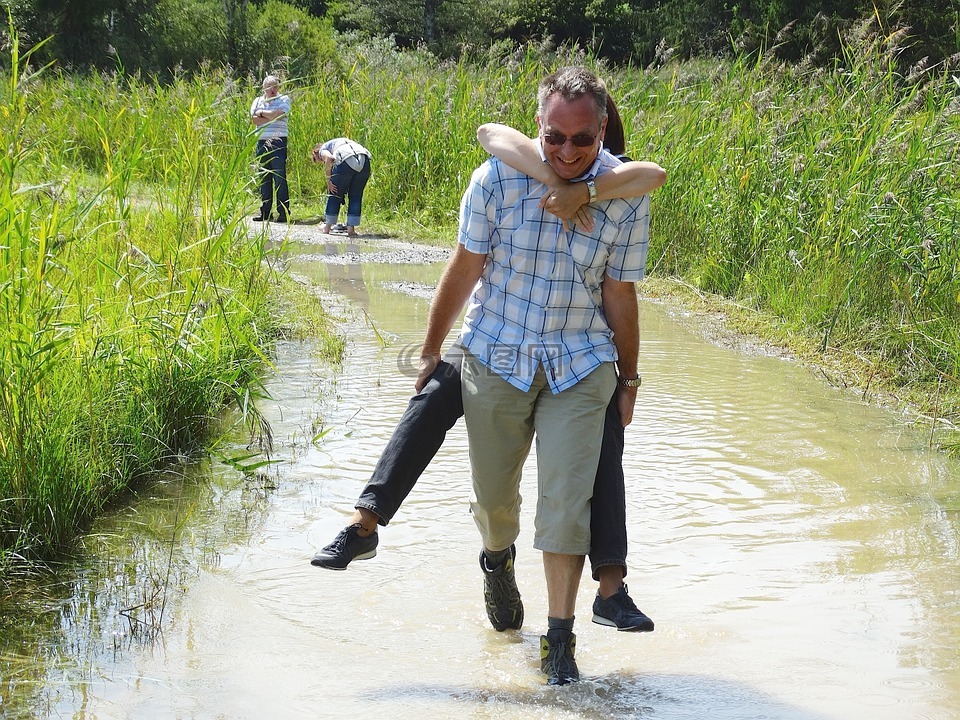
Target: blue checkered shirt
{"x": 538, "y": 301}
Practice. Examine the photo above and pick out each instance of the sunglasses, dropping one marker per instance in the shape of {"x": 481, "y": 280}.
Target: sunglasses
{"x": 578, "y": 140}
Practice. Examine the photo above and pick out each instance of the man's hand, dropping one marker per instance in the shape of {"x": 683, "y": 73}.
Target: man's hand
{"x": 428, "y": 363}
{"x": 626, "y": 400}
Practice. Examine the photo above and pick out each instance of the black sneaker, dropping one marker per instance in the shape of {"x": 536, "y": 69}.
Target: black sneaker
{"x": 557, "y": 661}
{"x": 261, "y": 218}
{"x": 500, "y": 593}
{"x": 620, "y": 612}
{"x": 346, "y": 547}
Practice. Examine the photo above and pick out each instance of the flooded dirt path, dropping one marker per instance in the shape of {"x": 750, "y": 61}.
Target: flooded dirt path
{"x": 798, "y": 548}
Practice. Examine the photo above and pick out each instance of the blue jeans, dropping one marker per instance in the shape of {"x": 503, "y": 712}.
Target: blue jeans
{"x": 422, "y": 430}
{"x": 272, "y": 154}
{"x": 350, "y": 184}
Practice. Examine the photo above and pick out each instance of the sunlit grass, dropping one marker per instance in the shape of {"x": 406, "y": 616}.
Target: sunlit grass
{"x": 826, "y": 196}
{"x": 133, "y": 304}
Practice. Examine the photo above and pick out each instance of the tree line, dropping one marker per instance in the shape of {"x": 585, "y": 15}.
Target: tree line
{"x": 163, "y": 37}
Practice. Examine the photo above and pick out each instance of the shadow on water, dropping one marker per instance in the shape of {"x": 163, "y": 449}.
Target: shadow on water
{"x": 618, "y": 697}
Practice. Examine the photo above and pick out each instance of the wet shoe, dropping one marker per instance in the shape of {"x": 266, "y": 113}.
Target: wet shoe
{"x": 346, "y": 547}
{"x": 619, "y": 611}
{"x": 557, "y": 661}
{"x": 500, "y": 593}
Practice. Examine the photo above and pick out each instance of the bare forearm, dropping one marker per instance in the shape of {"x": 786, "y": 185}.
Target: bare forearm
{"x": 457, "y": 282}
{"x": 516, "y": 150}
{"x": 620, "y": 310}
{"x": 632, "y": 179}
{"x": 262, "y": 117}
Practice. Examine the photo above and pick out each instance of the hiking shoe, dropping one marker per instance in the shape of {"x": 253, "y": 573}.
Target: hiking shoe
{"x": 346, "y": 547}
{"x": 500, "y": 593}
{"x": 557, "y": 661}
{"x": 619, "y": 611}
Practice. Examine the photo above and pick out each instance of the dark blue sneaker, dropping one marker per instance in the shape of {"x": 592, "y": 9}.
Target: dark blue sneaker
{"x": 500, "y": 593}
{"x": 346, "y": 547}
{"x": 557, "y": 659}
{"x": 620, "y": 612}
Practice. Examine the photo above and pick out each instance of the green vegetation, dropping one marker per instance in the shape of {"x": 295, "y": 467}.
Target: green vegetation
{"x": 160, "y": 36}
{"x": 825, "y": 197}
{"x": 133, "y": 305}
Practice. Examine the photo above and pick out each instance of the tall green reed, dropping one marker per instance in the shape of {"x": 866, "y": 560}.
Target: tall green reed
{"x": 132, "y": 303}
{"x": 822, "y": 194}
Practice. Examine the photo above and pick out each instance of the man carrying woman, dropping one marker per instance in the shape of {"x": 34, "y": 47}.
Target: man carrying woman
{"x": 438, "y": 405}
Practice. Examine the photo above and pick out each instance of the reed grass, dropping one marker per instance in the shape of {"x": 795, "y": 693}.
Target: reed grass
{"x": 825, "y": 196}
{"x": 133, "y": 304}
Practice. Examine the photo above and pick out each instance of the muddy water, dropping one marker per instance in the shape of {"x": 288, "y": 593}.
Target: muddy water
{"x": 797, "y": 548}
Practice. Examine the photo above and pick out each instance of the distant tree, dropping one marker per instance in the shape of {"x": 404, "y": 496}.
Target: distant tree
{"x": 444, "y": 26}
{"x": 281, "y": 35}
{"x": 191, "y": 32}
{"x": 84, "y": 33}
{"x": 157, "y": 35}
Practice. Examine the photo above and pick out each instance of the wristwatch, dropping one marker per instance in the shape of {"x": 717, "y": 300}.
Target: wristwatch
{"x": 629, "y": 382}
{"x": 592, "y": 189}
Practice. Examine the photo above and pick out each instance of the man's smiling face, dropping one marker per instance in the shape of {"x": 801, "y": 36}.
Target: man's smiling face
{"x": 569, "y": 120}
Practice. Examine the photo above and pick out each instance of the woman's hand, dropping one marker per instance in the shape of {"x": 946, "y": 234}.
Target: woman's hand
{"x": 569, "y": 202}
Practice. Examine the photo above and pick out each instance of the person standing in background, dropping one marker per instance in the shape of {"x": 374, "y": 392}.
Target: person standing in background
{"x": 268, "y": 113}
{"x": 347, "y": 168}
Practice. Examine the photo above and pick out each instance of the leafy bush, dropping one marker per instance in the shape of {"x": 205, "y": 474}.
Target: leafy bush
{"x": 280, "y": 36}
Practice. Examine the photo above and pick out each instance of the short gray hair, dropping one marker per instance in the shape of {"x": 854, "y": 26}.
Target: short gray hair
{"x": 572, "y": 83}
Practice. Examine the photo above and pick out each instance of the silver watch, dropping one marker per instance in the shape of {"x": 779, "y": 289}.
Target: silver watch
{"x": 629, "y": 382}
{"x": 592, "y": 189}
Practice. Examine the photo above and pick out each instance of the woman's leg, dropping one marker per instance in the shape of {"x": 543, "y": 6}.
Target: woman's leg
{"x": 414, "y": 443}
{"x": 608, "y": 533}
{"x": 355, "y": 200}
{"x": 608, "y": 514}
{"x": 340, "y": 177}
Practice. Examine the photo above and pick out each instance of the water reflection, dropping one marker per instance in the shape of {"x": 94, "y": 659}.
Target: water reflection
{"x": 797, "y": 548}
